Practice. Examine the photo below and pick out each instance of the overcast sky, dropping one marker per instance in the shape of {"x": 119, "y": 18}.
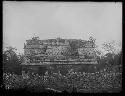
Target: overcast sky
{"x": 77, "y": 20}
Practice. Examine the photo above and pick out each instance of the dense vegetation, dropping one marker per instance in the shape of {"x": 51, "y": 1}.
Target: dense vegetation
{"x": 75, "y": 81}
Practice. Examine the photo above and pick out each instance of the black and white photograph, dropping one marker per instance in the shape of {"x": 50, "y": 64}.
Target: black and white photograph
{"x": 72, "y": 47}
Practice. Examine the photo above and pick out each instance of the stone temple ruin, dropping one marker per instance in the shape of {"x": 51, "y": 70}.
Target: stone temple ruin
{"x": 50, "y": 52}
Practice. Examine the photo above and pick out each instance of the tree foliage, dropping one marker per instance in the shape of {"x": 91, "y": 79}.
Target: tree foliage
{"x": 111, "y": 47}
{"x": 11, "y": 61}
{"x": 112, "y": 56}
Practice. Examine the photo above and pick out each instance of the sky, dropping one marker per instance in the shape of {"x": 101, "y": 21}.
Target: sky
{"x": 68, "y": 20}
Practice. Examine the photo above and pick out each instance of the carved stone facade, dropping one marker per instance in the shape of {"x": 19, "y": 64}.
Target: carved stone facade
{"x": 36, "y": 50}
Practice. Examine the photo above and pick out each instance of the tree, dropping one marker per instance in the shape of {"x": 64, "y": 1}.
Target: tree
{"x": 118, "y": 58}
{"x": 110, "y": 47}
{"x": 20, "y": 58}
{"x": 11, "y": 62}
{"x": 113, "y": 52}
